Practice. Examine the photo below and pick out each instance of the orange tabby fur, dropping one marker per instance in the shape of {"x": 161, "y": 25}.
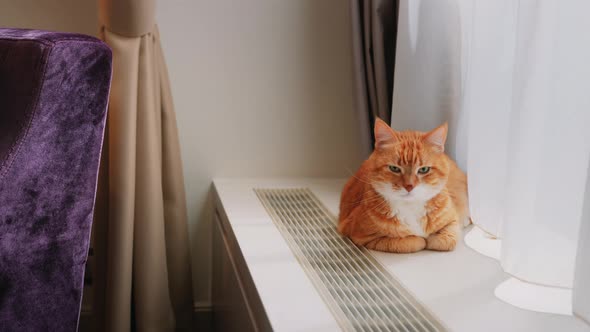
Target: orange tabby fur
{"x": 378, "y": 212}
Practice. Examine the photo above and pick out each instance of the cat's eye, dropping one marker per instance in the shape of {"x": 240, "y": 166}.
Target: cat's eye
{"x": 423, "y": 170}
{"x": 395, "y": 169}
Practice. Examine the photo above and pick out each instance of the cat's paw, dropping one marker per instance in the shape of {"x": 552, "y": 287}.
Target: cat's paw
{"x": 405, "y": 245}
{"x": 441, "y": 242}
{"x": 414, "y": 243}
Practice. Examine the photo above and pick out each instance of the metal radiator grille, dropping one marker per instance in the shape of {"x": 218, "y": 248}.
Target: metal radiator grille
{"x": 361, "y": 294}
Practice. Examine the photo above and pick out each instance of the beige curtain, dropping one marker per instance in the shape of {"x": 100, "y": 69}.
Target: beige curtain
{"x": 142, "y": 269}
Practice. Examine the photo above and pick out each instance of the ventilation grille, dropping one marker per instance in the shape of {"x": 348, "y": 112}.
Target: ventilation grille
{"x": 361, "y": 294}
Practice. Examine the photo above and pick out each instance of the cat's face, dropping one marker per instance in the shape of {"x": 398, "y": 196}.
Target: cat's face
{"x": 409, "y": 165}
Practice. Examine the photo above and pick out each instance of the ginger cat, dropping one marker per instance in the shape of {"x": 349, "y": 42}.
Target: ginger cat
{"x": 407, "y": 196}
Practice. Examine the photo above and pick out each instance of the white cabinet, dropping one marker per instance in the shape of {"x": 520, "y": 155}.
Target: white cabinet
{"x": 236, "y": 303}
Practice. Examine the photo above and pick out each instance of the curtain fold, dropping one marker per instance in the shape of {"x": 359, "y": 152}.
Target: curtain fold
{"x": 528, "y": 109}
{"x": 374, "y": 31}
{"x": 143, "y": 279}
{"x": 430, "y": 71}
{"x": 514, "y": 89}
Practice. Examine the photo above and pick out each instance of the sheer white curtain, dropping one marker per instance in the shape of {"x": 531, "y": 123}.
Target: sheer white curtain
{"x": 513, "y": 80}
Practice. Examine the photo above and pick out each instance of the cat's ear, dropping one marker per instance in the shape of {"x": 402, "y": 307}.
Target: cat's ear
{"x": 384, "y": 135}
{"x": 437, "y": 137}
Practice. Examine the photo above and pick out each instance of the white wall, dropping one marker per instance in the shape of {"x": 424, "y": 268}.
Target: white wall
{"x": 60, "y": 15}
{"x": 262, "y": 88}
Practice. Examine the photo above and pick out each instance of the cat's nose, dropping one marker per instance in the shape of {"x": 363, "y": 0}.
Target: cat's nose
{"x": 409, "y": 187}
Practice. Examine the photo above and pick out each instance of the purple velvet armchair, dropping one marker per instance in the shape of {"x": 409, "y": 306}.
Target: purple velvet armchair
{"x": 53, "y": 98}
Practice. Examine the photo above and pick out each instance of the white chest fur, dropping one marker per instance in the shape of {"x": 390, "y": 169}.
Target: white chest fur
{"x": 410, "y": 214}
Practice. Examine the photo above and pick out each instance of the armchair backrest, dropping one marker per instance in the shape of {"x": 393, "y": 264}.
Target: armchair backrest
{"x": 53, "y": 99}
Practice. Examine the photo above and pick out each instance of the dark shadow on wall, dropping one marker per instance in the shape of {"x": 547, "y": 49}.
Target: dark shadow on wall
{"x": 332, "y": 134}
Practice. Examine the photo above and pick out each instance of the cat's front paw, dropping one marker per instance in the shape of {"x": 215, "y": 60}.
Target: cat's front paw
{"x": 441, "y": 242}
{"x": 411, "y": 244}
{"x": 404, "y": 245}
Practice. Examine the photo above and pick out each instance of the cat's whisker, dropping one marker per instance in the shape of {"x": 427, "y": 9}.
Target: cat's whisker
{"x": 366, "y": 198}
{"x": 365, "y": 195}
{"x": 371, "y": 199}
{"x": 356, "y": 177}
{"x": 374, "y": 209}
{"x": 380, "y": 204}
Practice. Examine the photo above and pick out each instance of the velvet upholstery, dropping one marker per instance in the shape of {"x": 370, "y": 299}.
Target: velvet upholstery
{"x": 53, "y": 99}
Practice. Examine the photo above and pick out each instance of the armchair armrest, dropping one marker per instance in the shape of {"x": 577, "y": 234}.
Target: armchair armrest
{"x": 53, "y": 97}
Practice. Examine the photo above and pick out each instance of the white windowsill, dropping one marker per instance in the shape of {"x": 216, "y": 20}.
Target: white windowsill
{"x": 457, "y": 287}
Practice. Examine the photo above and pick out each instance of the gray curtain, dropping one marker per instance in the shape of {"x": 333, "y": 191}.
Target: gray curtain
{"x": 374, "y": 33}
